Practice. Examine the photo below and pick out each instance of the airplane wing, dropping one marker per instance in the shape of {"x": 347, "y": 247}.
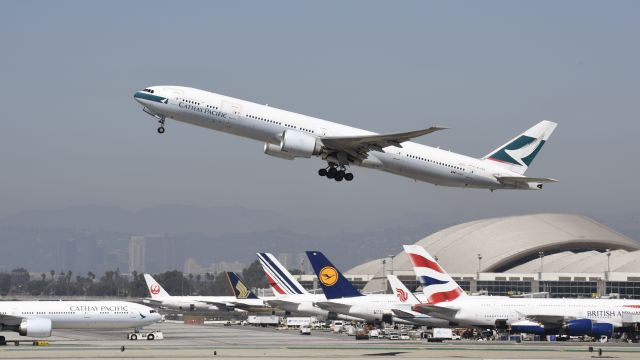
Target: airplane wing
{"x": 359, "y": 146}
{"x": 280, "y": 303}
{"x": 333, "y": 306}
{"x": 435, "y": 311}
{"x": 10, "y": 319}
{"x": 523, "y": 179}
{"x": 403, "y": 313}
{"x": 549, "y": 320}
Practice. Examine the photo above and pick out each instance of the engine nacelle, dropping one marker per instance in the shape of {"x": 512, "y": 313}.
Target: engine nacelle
{"x": 35, "y": 327}
{"x": 579, "y": 327}
{"x": 299, "y": 144}
{"x": 274, "y": 150}
{"x": 602, "y": 329}
{"x": 529, "y": 327}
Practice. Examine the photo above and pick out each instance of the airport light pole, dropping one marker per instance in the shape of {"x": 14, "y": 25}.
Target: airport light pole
{"x": 608, "y": 264}
{"x": 391, "y": 257}
{"x": 479, "y": 264}
{"x": 541, "y": 256}
{"x": 384, "y": 270}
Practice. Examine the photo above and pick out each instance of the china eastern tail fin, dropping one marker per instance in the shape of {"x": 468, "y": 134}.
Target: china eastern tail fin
{"x": 155, "y": 290}
{"x": 334, "y": 284}
{"x": 280, "y": 279}
{"x": 437, "y": 285}
{"x": 518, "y": 154}
{"x": 240, "y": 290}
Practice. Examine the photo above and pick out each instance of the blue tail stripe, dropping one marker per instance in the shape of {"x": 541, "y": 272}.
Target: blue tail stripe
{"x": 426, "y": 280}
{"x": 276, "y": 276}
{"x": 283, "y": 278}
{"x": 341, "y": 288}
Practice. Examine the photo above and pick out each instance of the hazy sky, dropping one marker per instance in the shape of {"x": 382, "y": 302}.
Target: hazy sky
{"x": 71, "y": 133}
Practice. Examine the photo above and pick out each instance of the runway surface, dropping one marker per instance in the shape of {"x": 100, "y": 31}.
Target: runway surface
{"x": 216, "y": 341}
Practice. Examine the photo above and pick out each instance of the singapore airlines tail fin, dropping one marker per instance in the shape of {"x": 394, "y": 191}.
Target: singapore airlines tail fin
{"x": 281, "y": 281}
{"x": 517, "y": 154}
{"x": 334, "y": 284}
{"x": 154, "y": 288}
{"x": 437, "y": 285}
{"x": 240, "y": 290}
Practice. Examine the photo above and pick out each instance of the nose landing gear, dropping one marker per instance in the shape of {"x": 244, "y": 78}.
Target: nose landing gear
{"x": 332, "y": 172}
{"x": 161, "y": 128}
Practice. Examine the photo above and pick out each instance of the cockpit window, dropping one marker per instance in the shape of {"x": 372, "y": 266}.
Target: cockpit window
{"x": 151, "y": 311}
{"x": 148, "y": 90}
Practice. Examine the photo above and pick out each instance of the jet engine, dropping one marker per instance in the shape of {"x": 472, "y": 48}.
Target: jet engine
{"x": 274, "y": 150}
{"x": 35, "y": 327}
{"x": 299, "y": 144}
{"x": 529, "y": 327}
{"x": 602, "y": 329}
{"x": 579, "y": 327}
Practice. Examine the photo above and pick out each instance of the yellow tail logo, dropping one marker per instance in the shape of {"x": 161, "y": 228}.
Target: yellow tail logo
{"x": 243, "y": 292}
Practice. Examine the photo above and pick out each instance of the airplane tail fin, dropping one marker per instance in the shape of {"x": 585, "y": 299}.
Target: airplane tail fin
{"x": 155, "y": 290}
{"x": 334, "y": 284}
{"x": 280, "y": 280}
{"x": 437, "y": 285}
{"x": 240, "y": 290}
{"x": 402, "y": 293}
{"x": 518, "y": 153}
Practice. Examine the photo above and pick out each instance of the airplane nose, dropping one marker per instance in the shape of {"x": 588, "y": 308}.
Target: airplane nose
{"x": 138, "y": 96}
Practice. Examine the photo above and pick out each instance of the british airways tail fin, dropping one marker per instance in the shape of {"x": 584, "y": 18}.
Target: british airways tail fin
{"x": 437, "y": 285}
{"x": 517, "y": 154}
{"x": 155, "y": 290}
{"x": 240, "y": 290}
{"x": 334, "y": 284}
{"x": 280, "y": 280}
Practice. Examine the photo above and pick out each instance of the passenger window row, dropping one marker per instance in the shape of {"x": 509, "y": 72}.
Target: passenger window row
{"x": 189, "y": 101}
{"x": 435, "y": 162}
{"x": 263, "y": 119}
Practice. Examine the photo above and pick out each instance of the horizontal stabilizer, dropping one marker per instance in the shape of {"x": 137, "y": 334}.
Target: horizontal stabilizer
{"x": 524, "y": 179}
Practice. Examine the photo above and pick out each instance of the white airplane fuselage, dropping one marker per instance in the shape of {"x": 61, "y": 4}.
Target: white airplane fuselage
{"x": 267, "y": 124}
{"x": 82, "y": 314}
{"x": 486, "y": 310}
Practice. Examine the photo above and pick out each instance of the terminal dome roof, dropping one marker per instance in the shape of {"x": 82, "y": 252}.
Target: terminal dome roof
{"x": 514, "y": 242}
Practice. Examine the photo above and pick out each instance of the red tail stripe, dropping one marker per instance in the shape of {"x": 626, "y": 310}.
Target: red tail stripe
{"x": 421, "y": 261}
{"x": 632, "y": 306}
{"x": 444, "y": 296}
{"x": 274, "y": 285}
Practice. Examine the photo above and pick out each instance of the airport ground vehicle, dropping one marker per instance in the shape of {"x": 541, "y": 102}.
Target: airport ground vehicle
{"x": 305, "y": 330}
{"x": 146, "y": 335}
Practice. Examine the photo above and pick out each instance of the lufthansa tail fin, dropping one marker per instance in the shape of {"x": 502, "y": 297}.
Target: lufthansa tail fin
{"x": 280, "y": 280}
{"x": 437, "y": 285}
{"x": 334, "y": 284}
{"x": 517, "y": 154}
{"x": 240, "y": 290}
{"x": 155, "y": 290}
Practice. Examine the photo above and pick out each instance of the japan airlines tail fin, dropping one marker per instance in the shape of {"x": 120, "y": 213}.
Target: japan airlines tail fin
{"x": 437, "y": 285}
{"x": 280, "y": 280}
{"x": 154, "y": 288}
{"x": 517, "y": 154}
{"x": 334, "y": 284}
{"x": 240, "y": 290}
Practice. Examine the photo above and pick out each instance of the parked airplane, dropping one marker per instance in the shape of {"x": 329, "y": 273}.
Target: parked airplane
{"x": 288, "y": 135}
{"x": 574, "y": 317}
{"x": 39, "y": 318}
{"x": 290, "y": 296}
{"x": 344, "y": 298}
{"x": 404, "y": 309}
{"x": 246, "y": 298}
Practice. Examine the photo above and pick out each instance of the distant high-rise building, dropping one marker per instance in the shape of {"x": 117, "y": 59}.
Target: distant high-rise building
{"x": 302, "y": 263}
{"x": 137, "y": 250}
{"x": 284, "y": 259}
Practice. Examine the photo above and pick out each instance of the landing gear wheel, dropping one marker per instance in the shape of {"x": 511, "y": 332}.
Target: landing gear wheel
{"x": 341, "y": 173}
{"x": 348, "y": 176}
{"x": 332, "y": 172}
{"x": 322, "y": 172}
{"x": 339, "y": 177}
{"x": 161, "y": 130}
{"x": 330, "y": 175}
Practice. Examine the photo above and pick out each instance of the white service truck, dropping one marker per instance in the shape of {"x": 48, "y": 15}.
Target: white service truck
{"x": 145, "y": 335}
{"x": 263, "y": 320}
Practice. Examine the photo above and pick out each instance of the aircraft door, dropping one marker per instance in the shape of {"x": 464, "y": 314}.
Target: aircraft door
{"x": 231, "y": 112}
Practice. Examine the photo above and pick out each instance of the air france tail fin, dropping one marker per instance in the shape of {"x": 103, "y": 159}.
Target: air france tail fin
{"x": 437, "y": 285}
{"x": 240, "y": 290}
{"x": 402, "y": 293}
{"x": 155, "y": 290}
{"x": 334, "y": 284}
{"x": 280, "y": 280}
{"x": 517, "y": 154}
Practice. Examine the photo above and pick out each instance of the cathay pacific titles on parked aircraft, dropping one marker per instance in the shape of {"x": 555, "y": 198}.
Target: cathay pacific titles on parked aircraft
{"x": 98, "y": 308}
{"x": 288, "y": 135}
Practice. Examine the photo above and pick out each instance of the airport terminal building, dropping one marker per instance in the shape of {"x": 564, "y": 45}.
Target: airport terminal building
{"x": 564, "y": 255}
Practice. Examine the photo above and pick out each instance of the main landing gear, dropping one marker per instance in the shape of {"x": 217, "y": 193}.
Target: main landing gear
{"x": 161, "y": 128}
{"x": 332, "y": 172}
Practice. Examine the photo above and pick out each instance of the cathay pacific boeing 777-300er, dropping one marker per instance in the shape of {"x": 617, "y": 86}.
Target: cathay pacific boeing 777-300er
{"x": 288, "y": 135}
